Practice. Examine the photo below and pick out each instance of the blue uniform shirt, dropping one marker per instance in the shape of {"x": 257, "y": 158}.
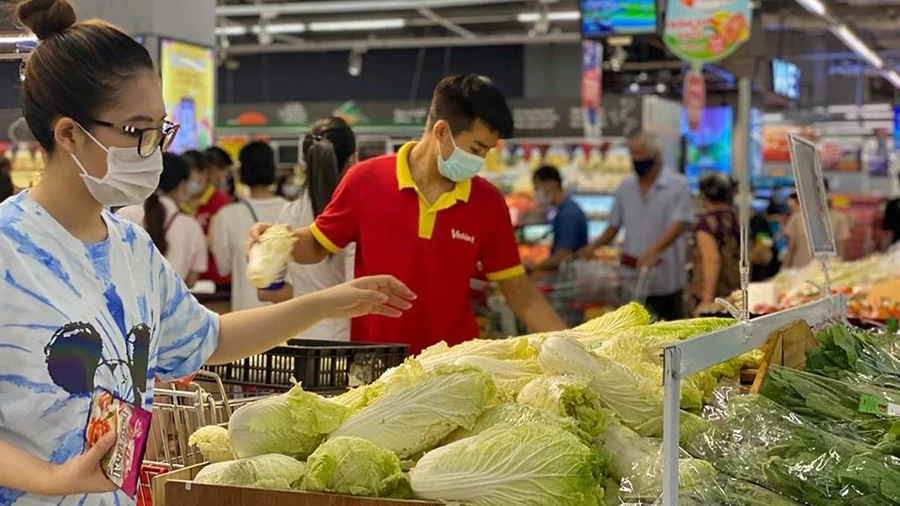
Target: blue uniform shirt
{"x": 570, "y": 227}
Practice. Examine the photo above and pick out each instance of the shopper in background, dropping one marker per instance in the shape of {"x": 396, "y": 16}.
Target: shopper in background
{"x": 424, "y": 216}
{"x": 204, "y": 201}
{"x": 798, "y": 251}
{"x": 229, "y": 228}
{"x": 718, "y": 253}
{"x": 891, "y": 223}
{"x": 570, "y": 227}
{"x": 88, "y": 301}
{"x": 329, "y": 149}
{"x": 655, "y": 209}
{"x": 176, "y": 235}
{"x": 222, "y": 171}
{"x": 767, "y": 243}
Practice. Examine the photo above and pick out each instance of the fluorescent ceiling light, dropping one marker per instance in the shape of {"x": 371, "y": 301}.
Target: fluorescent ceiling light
{"x": 360, "y": 25}
{"x": 272, "y": 29}
{"x": 857, "y": 45}
{"x": 814, "y": 6}
{"x": 893, "y": 77}
{"x": 15, "y": 39}
{"x": 532, "y": 17}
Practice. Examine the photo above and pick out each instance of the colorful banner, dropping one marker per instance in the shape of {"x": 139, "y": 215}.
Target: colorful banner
{"x": 189, "y": 91}
{"x": 706, "y": 31}
{"x": 591, "y": 87}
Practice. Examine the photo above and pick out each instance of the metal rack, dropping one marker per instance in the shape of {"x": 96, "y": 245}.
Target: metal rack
{"x": 694, "y": 355}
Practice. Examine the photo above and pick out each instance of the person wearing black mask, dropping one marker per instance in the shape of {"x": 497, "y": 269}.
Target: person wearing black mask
{"x": 655, "y": 209}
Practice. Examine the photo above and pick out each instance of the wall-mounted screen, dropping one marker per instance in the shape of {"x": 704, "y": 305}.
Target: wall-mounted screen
{"x": 708, "y": 148}
{"x": 189, "y": 91}
{"x": 602, "y": 18}
{"x": 785, "y": 79}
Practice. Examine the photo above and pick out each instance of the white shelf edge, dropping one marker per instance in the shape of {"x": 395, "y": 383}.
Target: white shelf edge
{"x": 702, "y": 352}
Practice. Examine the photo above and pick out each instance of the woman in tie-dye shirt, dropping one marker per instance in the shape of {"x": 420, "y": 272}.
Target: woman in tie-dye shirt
{"x": 87, "y": 300}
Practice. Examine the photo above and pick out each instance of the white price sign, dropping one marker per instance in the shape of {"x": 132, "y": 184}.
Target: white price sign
{"x": 813, "y": 199}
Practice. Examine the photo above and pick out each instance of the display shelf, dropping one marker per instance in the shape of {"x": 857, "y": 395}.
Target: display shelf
{"x": 687, "y": 357}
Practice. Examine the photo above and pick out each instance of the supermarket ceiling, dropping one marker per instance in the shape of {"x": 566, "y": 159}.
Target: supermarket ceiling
{"x": 254, "y": 26}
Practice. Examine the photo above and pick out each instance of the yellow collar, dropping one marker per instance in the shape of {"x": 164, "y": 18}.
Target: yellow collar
{"x": 461, "y": 191}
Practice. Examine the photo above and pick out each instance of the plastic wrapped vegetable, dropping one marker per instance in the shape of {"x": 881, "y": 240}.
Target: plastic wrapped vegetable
{"x": 263, "y": 471}
{"x": 525, "y": 465}
{"x": 414, "y": 419}
{"x": 836, "y": 406}
{"x": 566, "y": 396}
{"x": 349, "y": 465}
{"x": 213, "y": 443}
{"x": 636, "y": 462}
{"x": 268, "y": 257}
{"x": 292, "y": 424}
{"x": 853, "y": 355}
{"x": 753, "y": 439}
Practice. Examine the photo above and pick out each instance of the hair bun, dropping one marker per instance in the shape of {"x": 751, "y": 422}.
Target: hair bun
{"x": 46, "y": 17}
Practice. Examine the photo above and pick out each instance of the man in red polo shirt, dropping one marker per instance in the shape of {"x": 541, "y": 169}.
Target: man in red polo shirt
{"x": 424, "y": 216}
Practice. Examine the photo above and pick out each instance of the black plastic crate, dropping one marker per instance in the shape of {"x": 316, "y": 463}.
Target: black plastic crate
{"x": 319, "y": 365}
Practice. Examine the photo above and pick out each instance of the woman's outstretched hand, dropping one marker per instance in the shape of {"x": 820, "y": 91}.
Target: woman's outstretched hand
{"x": 376, "y": 295}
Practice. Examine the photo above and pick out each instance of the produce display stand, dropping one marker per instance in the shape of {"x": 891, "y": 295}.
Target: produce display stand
{"x": 177, "y": 489}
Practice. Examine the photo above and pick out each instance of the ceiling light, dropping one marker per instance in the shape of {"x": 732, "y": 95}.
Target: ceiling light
{"x": 231, "y": 30}
{"x": 360, "y": 25}
{"x": 355, "y": 62}
{"x": 857, "y": 45}
{"x": 15, "y": 39}
{"x": 661, "y": 87}
{"x": 634, "y": 87}
{"x": 532, "y": 17}
{"x": 274, "y": 28}
{"x": 893, "y": 77}
{"x": 814, "y": 6}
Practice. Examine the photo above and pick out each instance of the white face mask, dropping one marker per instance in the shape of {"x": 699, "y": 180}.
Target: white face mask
{"x": 129, "y": 180}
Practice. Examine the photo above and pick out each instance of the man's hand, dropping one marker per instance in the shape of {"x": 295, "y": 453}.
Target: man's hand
{"x": 376, "y": 295}
{"x": 82, "y": 474}
{"x": 587, "y": 252}
{"x": 649, "y": 259}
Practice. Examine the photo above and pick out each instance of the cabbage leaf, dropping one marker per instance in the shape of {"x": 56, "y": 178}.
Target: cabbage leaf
{"x": 213, "y": 443}
{"x": 354, "y": 466}
{"x": 566, "y": 396}
{"x": 270, "y": 255}
{"x": 263, "y": 471}
{"x": 512, "y": 414}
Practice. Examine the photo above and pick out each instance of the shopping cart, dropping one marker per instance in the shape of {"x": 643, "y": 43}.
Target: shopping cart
{"x": 582, "y": 284}
{"x": 179, "y": 409}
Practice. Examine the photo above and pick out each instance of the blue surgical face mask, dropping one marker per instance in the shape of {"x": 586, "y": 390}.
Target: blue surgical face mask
{"x": 461, "y": 165}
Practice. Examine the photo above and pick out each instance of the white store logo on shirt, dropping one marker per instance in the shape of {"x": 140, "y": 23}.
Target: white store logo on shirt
{"x": 462, "y": 236}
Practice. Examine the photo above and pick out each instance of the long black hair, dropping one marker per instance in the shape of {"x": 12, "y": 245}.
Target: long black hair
{"x": 175, "y": 171}
{"x": 327, "y": 147}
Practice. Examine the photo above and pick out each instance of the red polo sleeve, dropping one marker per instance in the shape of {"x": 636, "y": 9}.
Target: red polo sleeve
{"x": 500, "y": 253}
{"x": 338, "y": 224}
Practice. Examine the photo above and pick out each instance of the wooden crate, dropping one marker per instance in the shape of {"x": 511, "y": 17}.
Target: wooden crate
{"x": 177, "y": 489}
{"x": 789, "y": 345}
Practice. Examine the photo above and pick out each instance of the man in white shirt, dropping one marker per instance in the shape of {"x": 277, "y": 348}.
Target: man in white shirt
{"x": 229, "y": 229}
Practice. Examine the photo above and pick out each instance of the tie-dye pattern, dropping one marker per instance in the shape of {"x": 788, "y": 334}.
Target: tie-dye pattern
{"x": 76, "y": 316}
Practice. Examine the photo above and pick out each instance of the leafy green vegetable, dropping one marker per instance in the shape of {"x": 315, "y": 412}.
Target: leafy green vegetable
{"x": 753, "y": 439}
{"x": 524, "y": 465}
{"x": 842, "y": 350}
{"x": 350, "y": 465}
{"x": 833, "y": 406}
{"x": 509, "y": 375}
{"x": 512, "y": 414}
{"x": 566, "y": 396}
{"x": 213, "y": 443}
{"x": 414, "y": 419}
{"x": 292, "y": 424}
{"x": 626, "y": 317}
{"x": 514, "y": 348}
{"x": 632, "y": 397}
{"x": 262, "y": 471}
{"x": 637, "y": 463}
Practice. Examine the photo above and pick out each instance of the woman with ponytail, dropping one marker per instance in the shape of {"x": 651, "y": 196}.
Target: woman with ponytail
{"x": 329, "y": 149}
{"x": 176, "y": 235}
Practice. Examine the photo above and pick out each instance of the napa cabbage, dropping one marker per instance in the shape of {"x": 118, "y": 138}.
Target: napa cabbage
{"x": 292, "y": 424}
{"x": 270, "y": 255}
{"x": 213, "y": 443}
{"x": 527, "y": 465}
{"x": 512, "y": 414}
{"x": 262, "y": 471}
{"x": 354, "y": 466}
{"x": 509, "y": 375}
{"x": 415, "y": 418}
{"x": 566, "y": 396}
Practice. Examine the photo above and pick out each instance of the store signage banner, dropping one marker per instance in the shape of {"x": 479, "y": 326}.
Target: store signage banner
{"x": 591, "y": 87}
{"x": 534, "y": 118}
{"x": 706, "y": 31}
{"x": 694, "y": 98}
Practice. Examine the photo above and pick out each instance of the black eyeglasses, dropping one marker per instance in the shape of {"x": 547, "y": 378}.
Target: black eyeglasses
{"x": 149, "y": 139}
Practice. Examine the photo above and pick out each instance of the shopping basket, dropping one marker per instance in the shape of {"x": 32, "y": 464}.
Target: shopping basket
{"x": 581, "y": 284}
{"x": 320, "y": 366}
